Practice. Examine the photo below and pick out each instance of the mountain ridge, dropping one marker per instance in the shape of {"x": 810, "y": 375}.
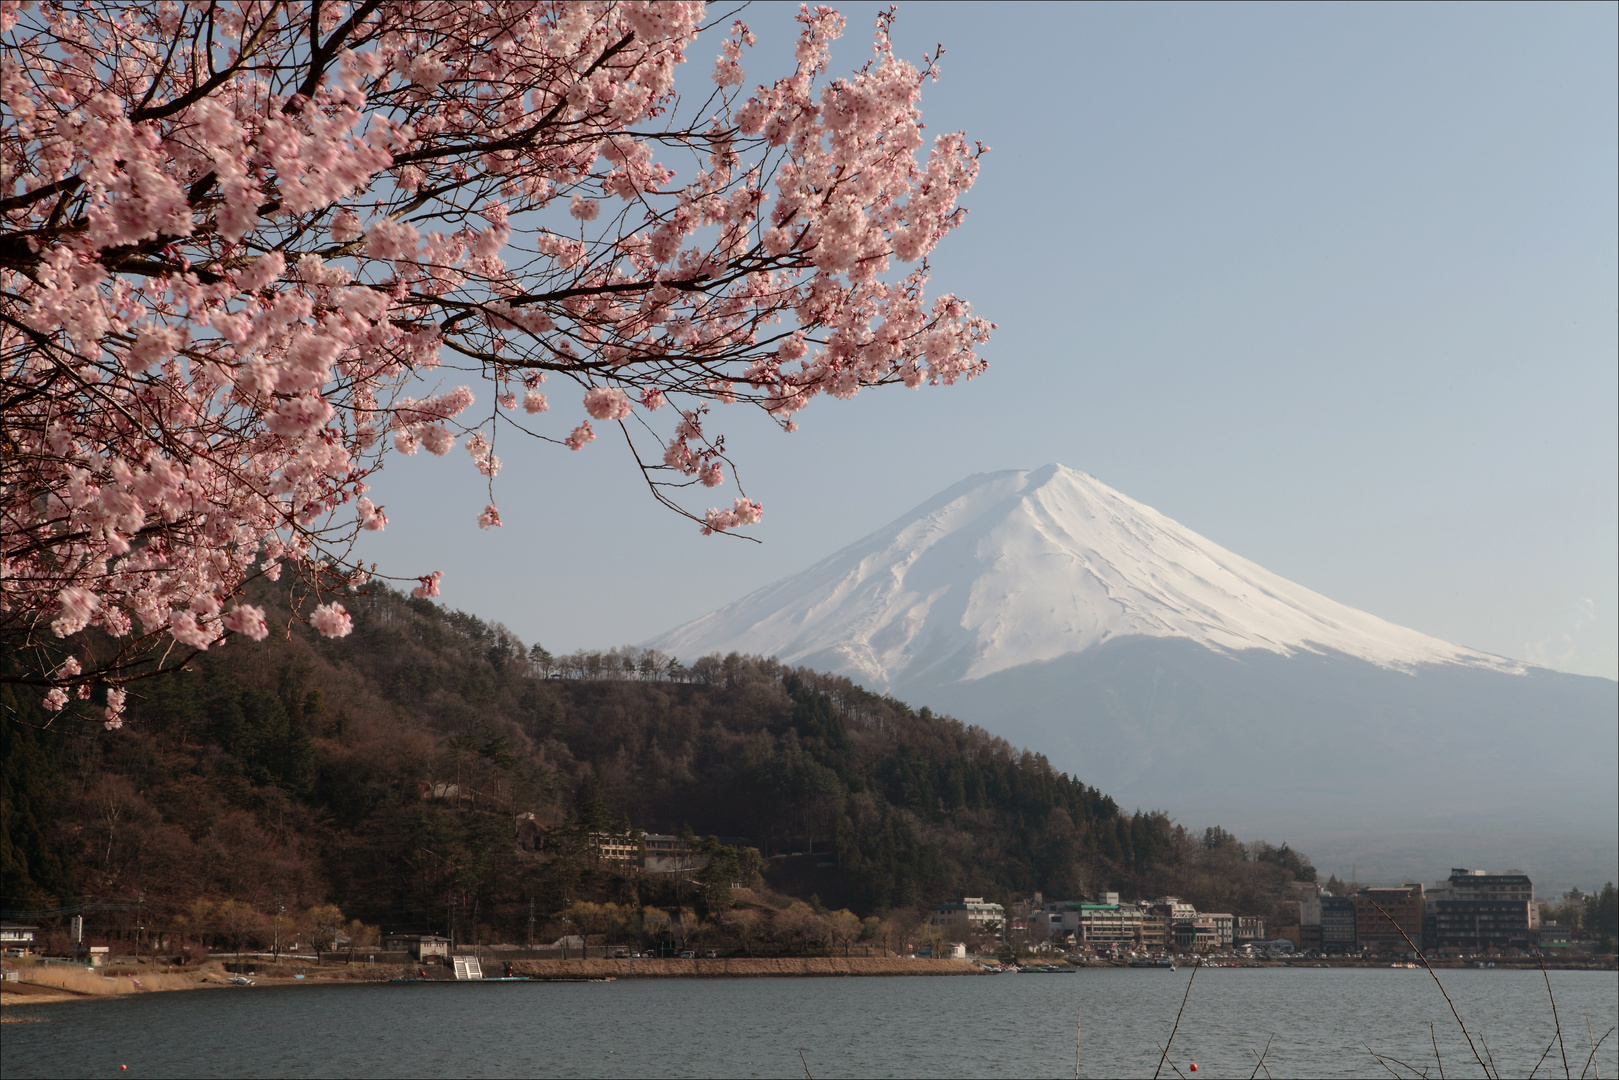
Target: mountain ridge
{"x": 1023, "y": 566}
{"x": 1066, "y": 617}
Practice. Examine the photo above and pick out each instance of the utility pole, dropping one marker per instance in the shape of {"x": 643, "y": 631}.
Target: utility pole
{"x": 531, "y": 922}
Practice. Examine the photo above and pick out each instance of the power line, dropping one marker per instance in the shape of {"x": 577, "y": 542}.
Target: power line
{"x": 73, "y": 909}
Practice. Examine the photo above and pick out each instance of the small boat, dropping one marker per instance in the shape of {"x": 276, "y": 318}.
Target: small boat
{"x": 239, "y": 980}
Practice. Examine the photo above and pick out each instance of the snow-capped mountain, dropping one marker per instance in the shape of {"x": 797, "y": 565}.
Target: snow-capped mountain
{"x": 1024, "y": 566}
{"x": 1172, "y": 673}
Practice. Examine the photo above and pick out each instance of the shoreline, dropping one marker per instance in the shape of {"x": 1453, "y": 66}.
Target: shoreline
{"x": 741, "y": 967}
{"x": 58, "y": 985}
{"x": 53, "y": 985}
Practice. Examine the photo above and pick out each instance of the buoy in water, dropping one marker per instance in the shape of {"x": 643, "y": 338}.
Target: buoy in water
{"x": 1194, "y": 1066}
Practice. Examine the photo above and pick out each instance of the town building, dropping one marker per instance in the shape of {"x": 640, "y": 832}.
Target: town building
{"x": 1403, "y": 904}
{"x": 1480, "y": 911}
{"x": 1249, "y": 930}
{"x": 1553, "y": 935}
{"x": 420, "y": 946}
{"x": 1309, "y": 934}
{"x": 1173, "y": 908}
{"x": 967, "y": 914}
{"x": 1337, "y": 924}
{"x": 1105, "y": 922}
{"x": 1310, "y": 908}
{"x": 620, "y": 849}
{"x": 17, "y": 937}
{"x": 1511, "y": 885}
{"x": 662, "y": 853}
{"x": 1194, "y": 935}
{"x": 1225, "y": 927}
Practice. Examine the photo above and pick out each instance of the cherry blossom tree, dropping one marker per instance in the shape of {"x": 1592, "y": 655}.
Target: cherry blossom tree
{"x": 250, "y": 246}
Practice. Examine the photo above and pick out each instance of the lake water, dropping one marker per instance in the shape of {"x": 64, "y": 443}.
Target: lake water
{"x": 1316, "y": 1020}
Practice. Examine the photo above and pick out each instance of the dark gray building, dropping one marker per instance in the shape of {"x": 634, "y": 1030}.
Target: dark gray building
{"x": 1337, "y": 924}
{"x": 1479, "y": 911}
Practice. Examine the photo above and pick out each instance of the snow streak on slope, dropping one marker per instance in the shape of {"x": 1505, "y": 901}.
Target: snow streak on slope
{"x": 1011, "y": 568}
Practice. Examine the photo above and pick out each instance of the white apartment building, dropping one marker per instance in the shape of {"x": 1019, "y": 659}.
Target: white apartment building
{"x": 965, "y": 914}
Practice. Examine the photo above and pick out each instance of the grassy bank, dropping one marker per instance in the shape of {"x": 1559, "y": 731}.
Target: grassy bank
{"x": 42, "y": 984}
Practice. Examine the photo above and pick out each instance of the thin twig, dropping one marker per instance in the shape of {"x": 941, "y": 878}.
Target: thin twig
{"x": 807, "y": 1074}
{"x": 1543, "y": 1054}
{"x": 1377, "y": 1058}
{"x": 1490, "y": 1056}
{"x": 1178, "y": 1073}
{"x": 1079, "y": 1016}
{"x": 1165, "y": 1055}
{"x": 1435, "y": 1039}
{"x": 1555, "y": 1021}
{"x": 1465, "y": 1033}
{"x": 1407, "y": 1065}
{"x": 1595, "y": 1046}
{"x": 1261, "y": 1064}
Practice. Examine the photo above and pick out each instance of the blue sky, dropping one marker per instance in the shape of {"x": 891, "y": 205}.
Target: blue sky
{"x": 1332, "y": 285}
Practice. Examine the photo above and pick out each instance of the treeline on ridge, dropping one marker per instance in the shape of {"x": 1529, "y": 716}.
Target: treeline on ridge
{"x": 386, "y": 772}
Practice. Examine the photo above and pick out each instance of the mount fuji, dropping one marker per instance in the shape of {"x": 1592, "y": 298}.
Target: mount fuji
{"x": 1171, "y": 673}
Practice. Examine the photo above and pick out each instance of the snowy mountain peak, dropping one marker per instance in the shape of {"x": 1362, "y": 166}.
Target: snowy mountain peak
{"x": 1015, "y": 567}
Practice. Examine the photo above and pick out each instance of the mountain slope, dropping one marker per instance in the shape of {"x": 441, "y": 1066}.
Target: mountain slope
{"x": 1396, "y": 773}
{"x": 427, "y": 769}
{"x": 1019, "y": 567}
{"x": 1172, "y": 673}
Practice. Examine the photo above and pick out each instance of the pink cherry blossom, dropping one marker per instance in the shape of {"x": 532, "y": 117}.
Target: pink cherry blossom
{"x": 371, "y": 515}
{"x": 490, "y": 518}
{"x": 742, "y": 512}
{"x": 607, "y": 403}
{"x": 223, "y": 290}
{"x": 579, "y": 436}
{"x": 332, "y": 620}
{"x": 115, "y": 708}
{"x": 78, "y": 605}
{"x": 247, "y": 620}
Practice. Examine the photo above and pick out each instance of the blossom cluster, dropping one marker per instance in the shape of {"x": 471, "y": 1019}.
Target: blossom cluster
{"x": 234, "y": 244}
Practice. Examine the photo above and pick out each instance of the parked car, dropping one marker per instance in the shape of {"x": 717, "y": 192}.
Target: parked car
{"x": 688, "y": 955}
{"x": 712, "y": 955}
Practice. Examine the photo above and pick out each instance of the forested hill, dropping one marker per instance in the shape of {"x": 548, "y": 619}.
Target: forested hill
{"x": 386, "y": 772}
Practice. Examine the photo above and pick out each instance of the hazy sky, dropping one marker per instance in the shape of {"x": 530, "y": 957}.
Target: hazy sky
{"x": 1332, "y": 285}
